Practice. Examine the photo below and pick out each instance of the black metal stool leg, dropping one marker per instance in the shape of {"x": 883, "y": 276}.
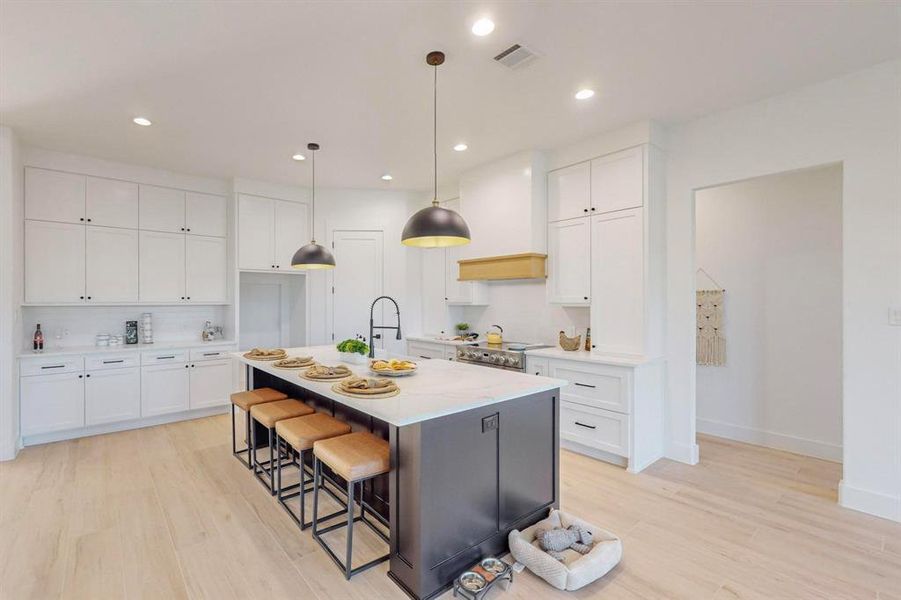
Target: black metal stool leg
{"x": 249, "y": 438}
{"x": 350, "y": 529}
{"x": 275, "y": 454}
{"x": 316, "y": 475}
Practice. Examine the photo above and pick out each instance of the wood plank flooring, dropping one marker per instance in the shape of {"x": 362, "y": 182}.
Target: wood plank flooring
{"x": 166, "y": 512}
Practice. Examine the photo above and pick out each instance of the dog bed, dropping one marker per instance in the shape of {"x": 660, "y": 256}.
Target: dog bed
{"x": 576, "y": 570}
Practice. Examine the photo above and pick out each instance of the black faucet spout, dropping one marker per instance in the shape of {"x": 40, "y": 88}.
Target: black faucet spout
{"x": 373, "y": 326}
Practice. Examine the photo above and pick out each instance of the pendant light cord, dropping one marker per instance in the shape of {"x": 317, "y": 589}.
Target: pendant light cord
{"x": 435, "y": 133}
{"x": 313, "y": 208}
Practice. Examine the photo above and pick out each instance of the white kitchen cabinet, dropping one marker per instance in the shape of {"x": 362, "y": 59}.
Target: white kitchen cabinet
{"x": 162, "y": 267}
{"x": 54, "y": 196}
{"x": 51, "y": 403}
{"x": 599, "y": 386}
{"x": 111, "y": 264}
{"x": 205, "y": 269}
{"x": 111, "y": 203}
{"x": 617, "y": 282}
{"x": 600, "y": 429}
{"x": 456, "y": 292}
{"x": 205, "y": 214}
{"x": 434, "y": 304}
{"x": 292, "y": 230}
{"x": 569, "y": 192}
{"x": 162, "y": 209}
{"x": 210, "y": 383}
{"x": 426, "y": 350}
{"x": 112, "y": 395}
{"x": 569, "y": 262}
{"x": 536, "y": 365}
{"x": 54, "y": 263}
{"x": 617, "y": 181}
{"x": 164, "y": 389}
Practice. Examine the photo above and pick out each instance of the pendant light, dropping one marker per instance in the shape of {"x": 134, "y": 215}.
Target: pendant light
{"x": 434, "y": 226}
{"x": 313, "y": 256}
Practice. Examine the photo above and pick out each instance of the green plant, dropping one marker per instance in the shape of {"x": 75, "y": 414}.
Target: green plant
{"x": 353, "y": 346}
{"x": 462, "y": 327}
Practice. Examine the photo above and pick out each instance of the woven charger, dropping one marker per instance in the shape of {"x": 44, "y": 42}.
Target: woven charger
{"x": 281, "y": 356}
{"x": 327, "y": 377}
{"x": 303, "y": 365}
{"x": 338, "y": 389}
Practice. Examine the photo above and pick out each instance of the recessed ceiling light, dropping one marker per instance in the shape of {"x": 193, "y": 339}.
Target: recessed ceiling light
{"x": 299, "y": 157}
{"x": 387, "y": 177}
{"x": 483, "y": 27}
{"x": 584, "y": 94}
{"x": 460, "y": 147}
{"x": 142, "y": 121}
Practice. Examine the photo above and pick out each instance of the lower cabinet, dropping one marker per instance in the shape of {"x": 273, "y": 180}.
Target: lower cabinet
{"x": 164, "y": 389}
{"x": 416, "y": 349}
{"x": 112, "y": 395}
{"x": 602, "y": 429}
{"x": 51, "y": 403}
{"x": 210, "y": 383}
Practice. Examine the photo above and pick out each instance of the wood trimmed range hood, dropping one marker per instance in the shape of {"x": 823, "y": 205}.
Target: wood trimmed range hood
{"x": 527, "y": 265}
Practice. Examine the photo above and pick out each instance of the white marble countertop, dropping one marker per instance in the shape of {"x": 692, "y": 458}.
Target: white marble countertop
{"x": 437, "y": 340}
{"x": 592, "y": 357}
{"x": 439, "y": 387}
{"x": 74, "y": 350}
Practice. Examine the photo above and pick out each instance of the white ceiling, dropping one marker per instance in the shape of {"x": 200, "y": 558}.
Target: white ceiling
{"x": 235, "y": 88}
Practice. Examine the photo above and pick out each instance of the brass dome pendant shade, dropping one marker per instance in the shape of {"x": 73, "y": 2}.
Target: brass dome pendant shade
{"x": 313, "y": 256}
{"x": 434, "y": 226}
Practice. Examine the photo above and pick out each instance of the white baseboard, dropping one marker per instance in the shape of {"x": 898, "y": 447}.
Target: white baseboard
{"x": 771, "y": 439}
{"x": 685, "y": 453}
{"x": 594, "y": 453}
{"x": 71, "y": 434}
{"x": 867, "y": 501}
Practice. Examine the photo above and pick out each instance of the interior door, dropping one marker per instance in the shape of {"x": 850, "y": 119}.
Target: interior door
{"x": 162, "y": 272}
{"x": 256, "y": 224}
{"x": 356, "y": 282}
{"x": 205, "y": 268}
{"x": 54, "y": 262}
{"x": 291, "y": 231}
{"x": 111, "y": 271}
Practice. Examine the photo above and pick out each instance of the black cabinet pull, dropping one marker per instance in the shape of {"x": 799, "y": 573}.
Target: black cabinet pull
{"x": 425, "y": 357}
{"x": 584, "y": 385}
{"x": 112, "y": 362}
{"x": 211, "y": 353}
{"x": 81, "y": 297}
{"x": 586, "y": 210}
{"x": 182, "y": 228}
{"x": 186, "y": 366}
{"x": 53, "y": 367}
{"x": 81, "y": 219}
{"x": 189, "y": 229}
{"x": 89, "y": 297}
{"x": 89, "y": 222}
{"x": 593, "y": 346}
{"x": 88, "y": 375}
{"x": 80, "y": 376}
{"x": 189, "y": 297}
{"x": 585, "y": 426}
{"x": 585, "y": 298}
{"x": 592, "y": 208}
{"x": 164, "y": 357}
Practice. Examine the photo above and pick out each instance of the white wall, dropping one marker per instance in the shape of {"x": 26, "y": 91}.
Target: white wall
{"x": 11, "y": 279}
{"x": 775, "y": 244}
{"x": 854, "y": 120}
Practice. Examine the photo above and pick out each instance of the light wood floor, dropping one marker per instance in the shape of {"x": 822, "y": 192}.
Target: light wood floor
{"x": 166, "y": 512}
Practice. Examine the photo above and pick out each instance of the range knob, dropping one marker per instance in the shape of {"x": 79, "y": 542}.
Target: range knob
{"x": 513, "y": 361}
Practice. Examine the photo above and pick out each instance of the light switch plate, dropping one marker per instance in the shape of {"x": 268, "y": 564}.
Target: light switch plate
{"x": 894, "y": 315}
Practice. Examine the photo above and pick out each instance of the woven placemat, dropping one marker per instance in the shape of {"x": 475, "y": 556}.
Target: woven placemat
{"x": 304, "y": 375}
{"x": 339, "y": 390}
{"x": 251, "y": 356}
{"x": 305, "y": 365}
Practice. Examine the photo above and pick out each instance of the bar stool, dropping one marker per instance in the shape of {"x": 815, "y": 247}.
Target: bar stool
{"x": 245, "y": 400}
{"x": 356, "y": 457}
{"x": 299, "y": 434}
{"x": 267, "y": 415}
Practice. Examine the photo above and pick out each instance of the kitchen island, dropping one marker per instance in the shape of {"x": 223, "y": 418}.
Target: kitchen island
{"x": 474, "y": 455}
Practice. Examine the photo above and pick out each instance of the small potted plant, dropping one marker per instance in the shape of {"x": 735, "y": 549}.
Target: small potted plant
{"x": 462, "y": 328}
{"x": 353, "y": 351}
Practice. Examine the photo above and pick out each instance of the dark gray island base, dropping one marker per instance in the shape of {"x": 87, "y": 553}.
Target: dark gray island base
{"x": 458, "y": 484}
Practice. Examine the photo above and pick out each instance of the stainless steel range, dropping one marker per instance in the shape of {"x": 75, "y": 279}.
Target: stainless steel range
{"x": 509, "y": 355}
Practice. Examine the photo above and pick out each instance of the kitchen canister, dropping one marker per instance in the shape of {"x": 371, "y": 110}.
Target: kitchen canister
{"x": 147, "y": 328}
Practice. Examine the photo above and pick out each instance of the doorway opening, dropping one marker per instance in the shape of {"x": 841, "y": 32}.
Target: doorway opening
{"x": 768, "y": 254}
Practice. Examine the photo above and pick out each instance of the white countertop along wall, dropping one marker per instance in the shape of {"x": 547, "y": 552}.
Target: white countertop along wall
{"x": 438, "y": 388}
{"x": 75, "y": 350}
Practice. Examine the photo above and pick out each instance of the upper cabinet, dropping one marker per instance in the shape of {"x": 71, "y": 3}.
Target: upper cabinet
{"x": 205, "y": 214}
{"x": 111, "y": 203}
{"x": 54, "y": 196}
{"x": 162, "y": 209}
{"x": 111, "y": 265}
{"x": 617, "y": 181}
{"x": 569, "y": 262}
{"x": 54, "y": 262}
{"x": 569, "y": 192}
{"x": 270, "y": 232}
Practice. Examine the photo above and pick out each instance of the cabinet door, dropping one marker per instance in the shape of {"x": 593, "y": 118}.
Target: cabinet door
{"x": 455, "y": 292}
{"x": 205, "y": 269}
{"x": 256, "y": 226}
{"x": 617, "y": 282}
{"x": 162, "y": 209}
{"x": 54, "y": 262}
{"x": 434, "y": 306}
{"x": 111, "y": 269}
{"x": 425, "y": 350}
{"x": 205, "y": 214}
{"x": 164, "y": 389}
{"x": 292, "y": 230}
{"x": 54, "y": 196}
{"x": 111, "y": 203}
{"x": 617, "y": 181}
{"x": 51, "y": 403}
{"x": 162, "y": 270}
{"x": 211, "y": 383}
{"x": 569, "y": 192}
{"x": 112, "y": 395}
{"x": 569, "y": 262}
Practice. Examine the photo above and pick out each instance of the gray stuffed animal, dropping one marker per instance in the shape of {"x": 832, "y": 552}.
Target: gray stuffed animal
{"x": 555, "y": 541}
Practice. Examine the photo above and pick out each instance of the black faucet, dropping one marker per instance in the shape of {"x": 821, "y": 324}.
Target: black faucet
{"x": 376, "y": 336}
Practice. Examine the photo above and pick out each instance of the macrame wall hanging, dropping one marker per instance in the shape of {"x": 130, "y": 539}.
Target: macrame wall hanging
{"x": 711, "y": 345}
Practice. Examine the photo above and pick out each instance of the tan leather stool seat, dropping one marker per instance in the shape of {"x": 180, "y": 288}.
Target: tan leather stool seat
{"x": 354, "y": 456}
{"x": 301, "y": 432}
{"x": 244, "y": 400}
{"x": 270, "y": 413}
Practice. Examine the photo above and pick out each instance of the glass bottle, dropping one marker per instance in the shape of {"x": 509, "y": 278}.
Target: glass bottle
{"x": 38, "y": 339}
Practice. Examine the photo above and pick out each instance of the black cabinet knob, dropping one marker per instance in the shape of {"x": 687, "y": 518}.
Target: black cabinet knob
{"x": 189, "y": 297}
{"x": 592, "y": 208}
{"x": 593, "y": 346}
{"x": 182, "y": 228}
{"x": 81, "y": 219}
{"x": 182, "y": 297}
{"x": 81, "y": 297}
{"x": 186, "y": 366}
{"x": 585, "y": 298}
{"x": 89, "y": 297}
{"x": 586, "y": 210}
{"x": 88, "y": 375}
{"x": 79, "y": 376}
{"x": 89, "y": 222}
{"x": 189, "y": 229}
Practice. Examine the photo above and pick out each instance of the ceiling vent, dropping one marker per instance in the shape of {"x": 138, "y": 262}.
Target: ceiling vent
{"x": 516, "y": 56}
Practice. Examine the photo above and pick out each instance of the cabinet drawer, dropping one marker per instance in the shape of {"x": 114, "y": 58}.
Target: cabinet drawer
{"x": 158, "y": 357}
{"x": 602, "y": 429}
{"x": 598, "y": 386}
{"x": 111, "y": 361}
{"x": 425, "y": 350}
{"x": 211, "y": 353}
{"x": 50, "y": 366}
